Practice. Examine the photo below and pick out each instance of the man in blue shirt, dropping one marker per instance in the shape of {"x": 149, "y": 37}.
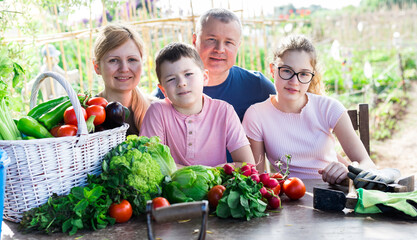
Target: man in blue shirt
{"x": 217, "y": 39}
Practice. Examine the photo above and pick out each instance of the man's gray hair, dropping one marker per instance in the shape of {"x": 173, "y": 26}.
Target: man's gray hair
{"x": 220, "y": 14}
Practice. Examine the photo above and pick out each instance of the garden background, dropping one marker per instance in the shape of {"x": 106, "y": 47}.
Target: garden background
{"x": 367, "y": 52}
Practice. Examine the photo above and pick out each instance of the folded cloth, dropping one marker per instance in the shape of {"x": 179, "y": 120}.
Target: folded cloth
{"x": 374, "y": 201}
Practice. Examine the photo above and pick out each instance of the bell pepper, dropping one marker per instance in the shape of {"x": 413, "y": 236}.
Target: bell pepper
{"x": 44, "y": 107}
{"x": 29, "y": 138}
{"x": 55, "y": 115}
{"x": 31, "y": 127}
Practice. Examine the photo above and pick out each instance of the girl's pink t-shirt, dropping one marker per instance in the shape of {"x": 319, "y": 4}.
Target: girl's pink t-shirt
{"x": 199, "y": 139}
{"x": 306, "y": 136}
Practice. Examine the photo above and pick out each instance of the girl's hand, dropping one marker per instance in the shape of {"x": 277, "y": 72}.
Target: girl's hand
{"x": 334, "y": 173}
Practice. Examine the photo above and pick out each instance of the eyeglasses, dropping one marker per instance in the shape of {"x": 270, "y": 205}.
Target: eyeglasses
{"x": 287, "y": 73}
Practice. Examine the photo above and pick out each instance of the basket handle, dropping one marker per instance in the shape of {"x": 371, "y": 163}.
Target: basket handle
{"x": 82, "y": 126}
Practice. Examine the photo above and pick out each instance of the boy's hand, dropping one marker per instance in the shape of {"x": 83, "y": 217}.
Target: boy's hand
{"x": 334, "y": 173}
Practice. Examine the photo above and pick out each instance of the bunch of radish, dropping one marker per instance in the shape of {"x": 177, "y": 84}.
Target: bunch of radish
{"x": 271, "y": 187}
{"x": 246, "y": 170}
{"x": 270, "y": 190}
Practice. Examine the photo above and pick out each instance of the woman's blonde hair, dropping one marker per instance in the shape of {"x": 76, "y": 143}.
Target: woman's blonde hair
{"x": 302, "y": 43}
{"x": 110, "y": 37}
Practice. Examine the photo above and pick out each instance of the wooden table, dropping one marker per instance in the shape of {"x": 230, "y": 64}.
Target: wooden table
{"x": 296, "y": 220}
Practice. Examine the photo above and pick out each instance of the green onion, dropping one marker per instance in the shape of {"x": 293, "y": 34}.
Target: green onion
{"x": 8, "y": 129}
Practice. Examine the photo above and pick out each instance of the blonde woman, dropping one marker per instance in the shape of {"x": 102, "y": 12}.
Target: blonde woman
{"x": 118, "y": 57}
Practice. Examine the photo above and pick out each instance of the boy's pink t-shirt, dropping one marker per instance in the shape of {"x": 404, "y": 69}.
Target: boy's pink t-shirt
{"x": 306, "y": 136}
{"x": 199, "y": 139}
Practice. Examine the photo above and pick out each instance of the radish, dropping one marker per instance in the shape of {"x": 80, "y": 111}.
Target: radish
{"x": 274, "y": 202}
{"x": 264, "y": 178}
{"x": 228, "y": 169}
{"x": 245, "y": 168}
{"x": 265, "y": 193}
{"x": 254, "y": 170}
{"x": 247, "y": 173}
{"x": 255, "y": 177}
{"x": 271, "y": 183}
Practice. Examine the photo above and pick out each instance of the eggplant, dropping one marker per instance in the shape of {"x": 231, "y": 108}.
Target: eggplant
{"x": 100, "y": 128}
{"x": 115, "y": 115}
{"x": 127, "y": 112}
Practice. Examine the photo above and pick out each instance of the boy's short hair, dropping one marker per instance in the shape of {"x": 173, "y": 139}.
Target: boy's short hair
{"x": 174, "y": 52}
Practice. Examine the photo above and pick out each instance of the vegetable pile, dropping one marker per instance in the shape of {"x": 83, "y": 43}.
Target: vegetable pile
{"x": 56, "y": 117}
{"x": 245, "y": 193}
{"x": 142, "y": 169}
{"x": 132, "y": 172}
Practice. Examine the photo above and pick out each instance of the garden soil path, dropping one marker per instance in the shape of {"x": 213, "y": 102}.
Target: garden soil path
{"x": 400, "y": 151}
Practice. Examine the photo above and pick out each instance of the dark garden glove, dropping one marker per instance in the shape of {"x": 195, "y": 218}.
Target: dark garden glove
{"x": 368, "y": 179}
{"x": 402, "y": 205}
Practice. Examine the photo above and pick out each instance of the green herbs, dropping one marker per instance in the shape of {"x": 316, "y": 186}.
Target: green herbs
{"x": 84, "y": 208}
{"x": 241, "y": 199}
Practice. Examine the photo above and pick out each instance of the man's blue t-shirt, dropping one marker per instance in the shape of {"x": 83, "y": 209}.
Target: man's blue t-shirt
{"x": 242, "y": 88}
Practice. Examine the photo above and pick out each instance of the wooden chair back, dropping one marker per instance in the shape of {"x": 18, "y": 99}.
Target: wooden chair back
{"x": 360, "y": 122}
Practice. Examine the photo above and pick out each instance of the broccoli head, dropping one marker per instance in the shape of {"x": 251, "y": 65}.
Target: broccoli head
{"x": 132, "y": 170}
{"x": 144, "y": 175}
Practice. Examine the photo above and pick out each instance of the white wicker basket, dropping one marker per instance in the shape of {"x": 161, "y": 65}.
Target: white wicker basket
{"x": 41, "y": 167}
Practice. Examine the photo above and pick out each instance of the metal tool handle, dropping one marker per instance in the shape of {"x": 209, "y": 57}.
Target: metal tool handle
{"x": 177, "y": 212}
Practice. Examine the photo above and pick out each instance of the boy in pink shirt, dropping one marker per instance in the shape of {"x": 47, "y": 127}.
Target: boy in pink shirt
{"x": 197, "y": 128}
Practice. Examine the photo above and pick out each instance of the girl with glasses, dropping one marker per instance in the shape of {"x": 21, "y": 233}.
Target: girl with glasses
{"x": 299, "y": 120}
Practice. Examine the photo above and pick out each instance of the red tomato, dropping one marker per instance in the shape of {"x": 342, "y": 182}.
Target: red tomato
{"x": 54, "y": 131}
{"x": 122, "y": 212}
{"x": 70, "y": 118}
{"x": 99, "y": 112}
{"x": 215, "y": 194}
{"x": 97, "y": 101}
{"x": 294, "y": 188}
{"x": 160, "y": 202}
{"x": 67, "y": 130}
